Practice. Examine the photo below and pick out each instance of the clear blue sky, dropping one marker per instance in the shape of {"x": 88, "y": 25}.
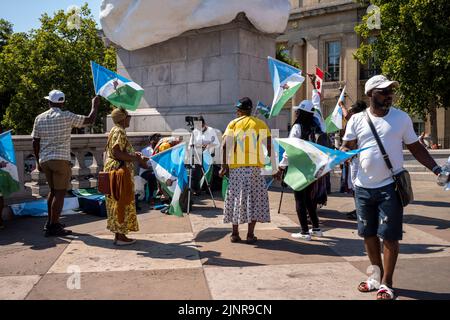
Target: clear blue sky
{"x": 25, "y": 14}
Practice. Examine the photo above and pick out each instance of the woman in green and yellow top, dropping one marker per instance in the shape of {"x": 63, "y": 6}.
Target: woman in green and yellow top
{"x": 247, "y": 200}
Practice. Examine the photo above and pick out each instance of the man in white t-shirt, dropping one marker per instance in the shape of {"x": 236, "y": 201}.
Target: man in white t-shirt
{"x": 380, "y": 213}
{"x": 205, "y": 139}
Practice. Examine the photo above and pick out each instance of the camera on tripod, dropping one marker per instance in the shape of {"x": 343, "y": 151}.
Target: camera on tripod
{"x": 190, "y": 121}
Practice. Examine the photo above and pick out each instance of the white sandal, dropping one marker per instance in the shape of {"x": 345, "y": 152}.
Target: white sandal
{"x": 385, "y": 289}
{"x": 370, "y": 284}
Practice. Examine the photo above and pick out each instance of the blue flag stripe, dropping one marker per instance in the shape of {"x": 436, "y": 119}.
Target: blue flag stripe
{"x": 101, "y": 76}
{"x": 7, "y": 148}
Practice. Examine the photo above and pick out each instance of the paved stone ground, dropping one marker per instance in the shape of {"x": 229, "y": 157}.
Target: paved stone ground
{"x": 192, "y": 257}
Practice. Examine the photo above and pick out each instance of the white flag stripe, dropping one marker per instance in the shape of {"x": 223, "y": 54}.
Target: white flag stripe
{"x": 163, "y": 175}
{"x": 10, "y": 168}
{"x": 319, "y": 157}
{"x": 109, "y": 88}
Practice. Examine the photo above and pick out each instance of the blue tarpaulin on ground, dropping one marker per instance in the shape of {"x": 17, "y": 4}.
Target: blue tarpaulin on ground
{"x": 38, "y": 208}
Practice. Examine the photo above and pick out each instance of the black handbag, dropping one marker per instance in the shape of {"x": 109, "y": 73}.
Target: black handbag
{"x": 402, "y": 179}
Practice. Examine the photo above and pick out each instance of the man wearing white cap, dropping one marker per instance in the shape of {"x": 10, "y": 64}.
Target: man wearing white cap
{"x": 378, "y": 206}
{"x": 51, "y": 144}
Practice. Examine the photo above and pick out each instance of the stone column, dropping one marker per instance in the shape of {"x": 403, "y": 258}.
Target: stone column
{"x": 298, "y": 54}
{"x": 312, "y": 59}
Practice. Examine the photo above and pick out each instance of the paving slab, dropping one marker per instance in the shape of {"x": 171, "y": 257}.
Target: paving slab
{"x": 27, "y": 260}
{"x": 176, "y": 284}
{"x": 156, "y": 222}
{"x": 273, "y": 247}
{"x": 27, "y": 231}
{"x": 415, "y": 244}
{"x": 151, "y": 252}
{"x": 201, "y": 223}
{"x": 85, "y": 223}
{"x": 173, "y": 255}
{"x": 438, "y": 227}
{"x": 424, "y": 279}
{"x": 292, "y": 282}
{"x": 17, "y": 287}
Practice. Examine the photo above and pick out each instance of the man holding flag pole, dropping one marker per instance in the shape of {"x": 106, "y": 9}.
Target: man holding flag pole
{"x": 51, "y": 144}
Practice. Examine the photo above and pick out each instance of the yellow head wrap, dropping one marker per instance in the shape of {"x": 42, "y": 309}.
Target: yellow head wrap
{"x": 119, "y": 115}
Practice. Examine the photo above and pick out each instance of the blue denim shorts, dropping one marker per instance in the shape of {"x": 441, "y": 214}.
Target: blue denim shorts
{"x": 380, "y": 213}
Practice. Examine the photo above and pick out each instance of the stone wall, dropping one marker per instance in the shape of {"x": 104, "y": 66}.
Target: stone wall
{"x": 202, "y": 72}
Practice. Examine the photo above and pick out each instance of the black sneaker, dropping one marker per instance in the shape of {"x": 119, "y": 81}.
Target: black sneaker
{"x": 62, "y": 225}
{"x": 165, "y": 210}
{"x": 57, "y": 230}
{"x": 352, "y": 215}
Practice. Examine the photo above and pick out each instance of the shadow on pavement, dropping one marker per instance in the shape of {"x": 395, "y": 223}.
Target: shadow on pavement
{"x": 156, "y": 250}
{"x": 439, "y": 204}
{"x": 28, "y": 231}
{"x": 440, "y": 224}
{"x": 421, "y": 295}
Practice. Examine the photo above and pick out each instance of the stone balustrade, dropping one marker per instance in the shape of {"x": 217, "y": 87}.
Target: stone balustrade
{"x": 87, "y": 160}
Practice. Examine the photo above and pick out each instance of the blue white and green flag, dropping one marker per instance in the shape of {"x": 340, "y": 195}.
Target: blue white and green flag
{"x": 118, "y": 90}
{"x": 207, "y": 167}
{"x": 309, "y": 161}
{"x": 286, "y": 81}
{"x": 169, "y": 165}
{"x": 9, "y": 176}
{"x": 334, "y": 120}
{"x": 263, "y": 110}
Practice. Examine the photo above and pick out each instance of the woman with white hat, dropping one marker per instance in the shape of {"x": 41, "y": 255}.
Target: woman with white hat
{"x": 307, "y": 199}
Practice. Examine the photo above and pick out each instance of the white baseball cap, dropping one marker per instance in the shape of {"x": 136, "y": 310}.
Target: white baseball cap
{"x": 56, "y": 96}
{"x": 378, "y": 82}
{"x": 305, "y": 105}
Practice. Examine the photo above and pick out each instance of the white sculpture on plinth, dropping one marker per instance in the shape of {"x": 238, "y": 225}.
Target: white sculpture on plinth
{"x": 136, "y": 24}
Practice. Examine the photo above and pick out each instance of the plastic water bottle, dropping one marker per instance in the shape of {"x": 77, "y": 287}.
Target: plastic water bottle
{"x": 444, "y": 176}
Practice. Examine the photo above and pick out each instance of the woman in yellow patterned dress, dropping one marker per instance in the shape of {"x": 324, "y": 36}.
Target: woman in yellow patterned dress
{"x": 120, "y": 205}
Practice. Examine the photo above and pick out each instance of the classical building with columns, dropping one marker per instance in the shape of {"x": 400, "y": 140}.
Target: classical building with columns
{"x": 321, "y": 32}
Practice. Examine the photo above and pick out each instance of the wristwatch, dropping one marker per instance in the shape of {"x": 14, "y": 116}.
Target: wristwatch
{"x": 437, "y": 170}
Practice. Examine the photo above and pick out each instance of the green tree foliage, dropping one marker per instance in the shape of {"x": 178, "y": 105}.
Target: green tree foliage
{"x": 412, "y": 47}
{"x": 55, "y": 56}
{"x": 6, "y": 29}
{"x": 282, "y": 55}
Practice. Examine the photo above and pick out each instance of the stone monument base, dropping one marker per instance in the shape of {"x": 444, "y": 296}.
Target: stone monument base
{"x": 202, "y": 72}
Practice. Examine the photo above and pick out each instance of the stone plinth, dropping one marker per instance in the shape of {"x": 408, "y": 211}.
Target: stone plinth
{"x": 201, "y": 72}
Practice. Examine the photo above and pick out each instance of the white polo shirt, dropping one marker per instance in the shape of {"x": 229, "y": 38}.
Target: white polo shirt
{"x": 394, "y": 128}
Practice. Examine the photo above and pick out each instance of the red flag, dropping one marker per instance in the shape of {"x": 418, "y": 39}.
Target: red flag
{"x": 319, "y": 80}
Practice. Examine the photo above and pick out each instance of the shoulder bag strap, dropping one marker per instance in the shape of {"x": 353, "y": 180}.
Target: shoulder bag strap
{"x": 380, "y": 144}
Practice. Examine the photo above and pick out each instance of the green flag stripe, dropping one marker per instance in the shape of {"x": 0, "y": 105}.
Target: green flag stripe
{"x": 299, "y": 179}
{"x": 7, "y": 183}
{"x": 287, "y": 94}
{"x": 331, "y": 127}
{"x": 126, "y": 97}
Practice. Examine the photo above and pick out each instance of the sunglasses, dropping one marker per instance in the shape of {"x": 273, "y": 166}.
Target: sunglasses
{"x": 384, "y": 92}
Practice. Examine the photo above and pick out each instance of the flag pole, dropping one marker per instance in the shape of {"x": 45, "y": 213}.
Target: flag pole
{"x": 255, "y": 112}
{"x": 283, "y": 185}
